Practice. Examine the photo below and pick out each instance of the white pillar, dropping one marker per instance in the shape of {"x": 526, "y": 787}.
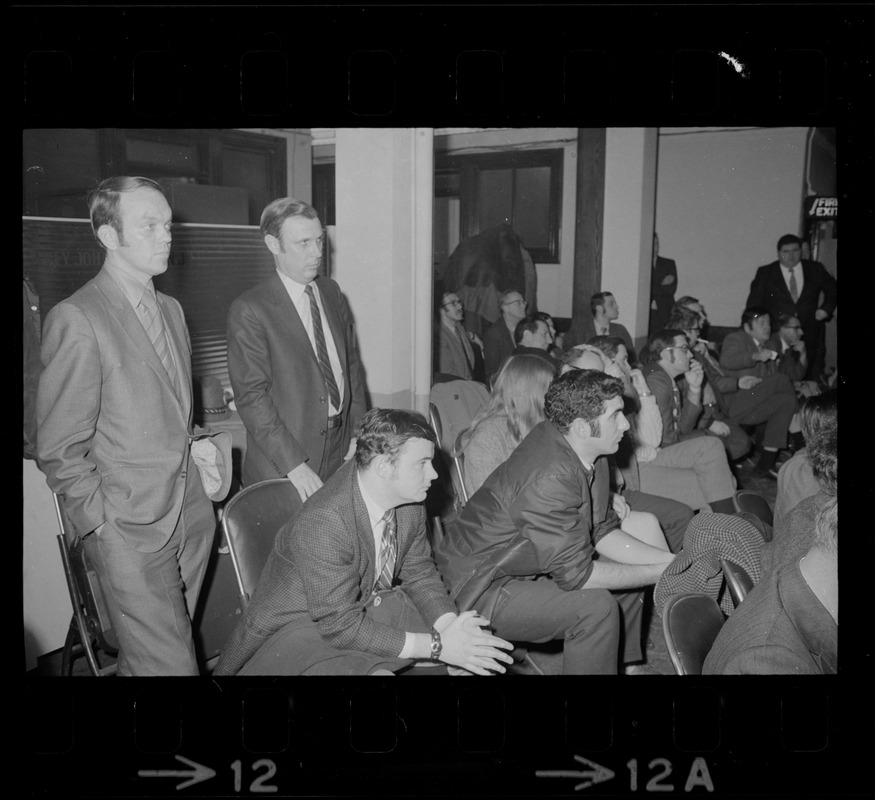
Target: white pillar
{"x": 383, "y": 259}
{"x": 630, "y": 196}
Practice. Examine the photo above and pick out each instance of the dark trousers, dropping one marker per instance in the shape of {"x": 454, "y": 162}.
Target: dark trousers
{"x": 332, "y": 457}
{"x": 773, "y": 401}
{"x": 592, "y": 622}
{"x": 151, "y": 597}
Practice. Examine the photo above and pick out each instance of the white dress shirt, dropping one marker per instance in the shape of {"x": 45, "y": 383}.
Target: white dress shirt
{"x": 797, "y": 271}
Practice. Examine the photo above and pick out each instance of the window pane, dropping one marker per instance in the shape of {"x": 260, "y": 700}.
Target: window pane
{"x": 494, "y": 197}
{"x": 531, "y": 208}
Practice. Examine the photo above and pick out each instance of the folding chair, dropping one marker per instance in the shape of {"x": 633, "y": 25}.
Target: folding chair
{"x": 739, "y": 582}
{"x": 90, "y": 628}
{"x": 754, "y": 503}
{"x": 459, "y": 465}
{"x": 691, "y": 622}
{"x": 250, "y": 522}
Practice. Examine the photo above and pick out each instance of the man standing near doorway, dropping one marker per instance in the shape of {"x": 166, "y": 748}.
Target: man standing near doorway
{"x": 293, "y": 358}
{"x": 498, "y": 341}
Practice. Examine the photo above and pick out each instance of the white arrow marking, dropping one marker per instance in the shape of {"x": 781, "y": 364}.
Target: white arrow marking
{"x": 197, "y": 774}
{"x": 596, "y": 772}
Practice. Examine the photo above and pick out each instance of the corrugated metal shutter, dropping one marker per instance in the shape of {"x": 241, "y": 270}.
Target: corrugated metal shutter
{"x": 210, "y": 265}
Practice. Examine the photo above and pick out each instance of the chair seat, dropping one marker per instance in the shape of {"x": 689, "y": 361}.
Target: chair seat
{"x": 691, "y": 622}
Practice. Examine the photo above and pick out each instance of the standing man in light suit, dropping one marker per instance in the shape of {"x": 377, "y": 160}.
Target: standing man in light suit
{"x": 114, "y": 411}
{"x": 293, "y": 359}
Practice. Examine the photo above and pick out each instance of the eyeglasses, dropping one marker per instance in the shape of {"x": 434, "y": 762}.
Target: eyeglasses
{"x": 452, "y": 303}
{"x": 514, "y": 302}
{"x": 682, "y": 347}
{"x": 303, "y": 245}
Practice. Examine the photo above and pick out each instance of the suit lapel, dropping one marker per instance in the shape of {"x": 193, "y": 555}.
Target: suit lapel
{"x": 176, "y": 338}
{"x": 781, "y": 285}
{"x": 127, "y": 318}
{"x": 287, "y": 315}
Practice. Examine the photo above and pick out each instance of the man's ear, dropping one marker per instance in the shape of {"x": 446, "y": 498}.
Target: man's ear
{"x": 383, "y": 467}
{"x": 273, "y": 244}
{"x": 581, "y": 428}
{"x": 108, "y": 237}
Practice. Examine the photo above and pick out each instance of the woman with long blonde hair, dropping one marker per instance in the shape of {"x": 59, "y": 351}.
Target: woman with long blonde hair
{"x": 515, "y": 406}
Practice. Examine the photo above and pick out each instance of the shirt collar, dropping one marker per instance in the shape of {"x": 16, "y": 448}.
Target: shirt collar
{"x": 296, "y": 290}
{"x": 132, "y": 284}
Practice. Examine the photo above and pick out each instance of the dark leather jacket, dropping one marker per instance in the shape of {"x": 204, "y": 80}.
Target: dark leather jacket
{"x": 535, "y": 515}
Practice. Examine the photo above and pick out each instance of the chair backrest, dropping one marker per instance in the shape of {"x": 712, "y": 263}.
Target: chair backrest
{"x": 691, "y": 622}
{"x": 754, "y": 503}
{"x": 250, "y": 522}
{"x": 739, "y": 582}
{"x": 86, "y": 592}
{"x": 434, "y": 418}
{"x": 459, "y": 467}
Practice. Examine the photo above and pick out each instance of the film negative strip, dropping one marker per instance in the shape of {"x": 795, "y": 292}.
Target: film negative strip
{"x": 303, "y": 67}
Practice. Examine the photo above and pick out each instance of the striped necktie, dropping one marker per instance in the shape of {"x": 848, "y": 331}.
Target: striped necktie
{"x": 154, "y": 324}
{"x": 322, "y": 349}
{"x": 388, "y": 550}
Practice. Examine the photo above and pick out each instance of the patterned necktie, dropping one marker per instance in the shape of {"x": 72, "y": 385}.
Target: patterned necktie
{"x": 322, "y": 349}
{"x": 155, "y": 330}
{"x": 794, "y": 289}
{"x": 388, "y": 550}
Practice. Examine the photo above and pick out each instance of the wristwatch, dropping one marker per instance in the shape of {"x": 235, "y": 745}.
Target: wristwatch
{"x": 436, "y": 646}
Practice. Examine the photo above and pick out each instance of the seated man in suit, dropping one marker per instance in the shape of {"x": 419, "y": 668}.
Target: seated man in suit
{"x": 350, "y": 587}
{"x": 524, "y": 547}
{"x": 605, "y": 310}
{"x": 498, "y": 340}
{"x": 772, "y": 400}
{"x": 532, "y": 337}
{"x": 788, "y": 624}
{"x": 684, "y": 447}
{"x": 454, "y": 347}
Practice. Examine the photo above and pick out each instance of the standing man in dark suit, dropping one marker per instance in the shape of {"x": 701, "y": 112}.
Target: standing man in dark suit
{"x": 802, "y": 288}
{"x": 350, "y": 587}
{"x": 293, "y": 359}
{"x": 498, "y": 340}
{"x": 663, "y": 284}
{"x": 114, "y": 410}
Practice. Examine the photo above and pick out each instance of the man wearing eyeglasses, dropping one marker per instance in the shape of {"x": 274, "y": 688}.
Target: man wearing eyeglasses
{"x": 498, "y": 341}
{"x": 293, "y": 359}
{"x": 455, "y": 346}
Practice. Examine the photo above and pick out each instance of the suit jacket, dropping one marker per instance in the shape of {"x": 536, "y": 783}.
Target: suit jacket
{"x": 781, "y": 628}
{"x": 736, "y": 357}
{"x": 278, "y": 385}
{"x": 113, "y": 434}
{"x": 789, "y": 360}
{"x": 679, "y": 415}
{"x": 497, "y": 346}
{"x": 769, "y": 291}
{"x": 662, "y": 293}
{"x": 322, "y": 571}
{"x": 536, "y": 514}
{"x": 583, "y": 329}
{"x": 455, "y": 355}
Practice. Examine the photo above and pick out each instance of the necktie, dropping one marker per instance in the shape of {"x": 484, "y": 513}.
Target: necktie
{"x": 155, "y": 330}
{"x": 794, "y": 290}
{"x": 322, "y": 349}
{"x": 388, "y": 550}
{"x": 464, "y": 346}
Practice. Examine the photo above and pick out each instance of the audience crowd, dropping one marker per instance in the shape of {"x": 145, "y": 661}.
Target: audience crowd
{"x": 599, "y": 482}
